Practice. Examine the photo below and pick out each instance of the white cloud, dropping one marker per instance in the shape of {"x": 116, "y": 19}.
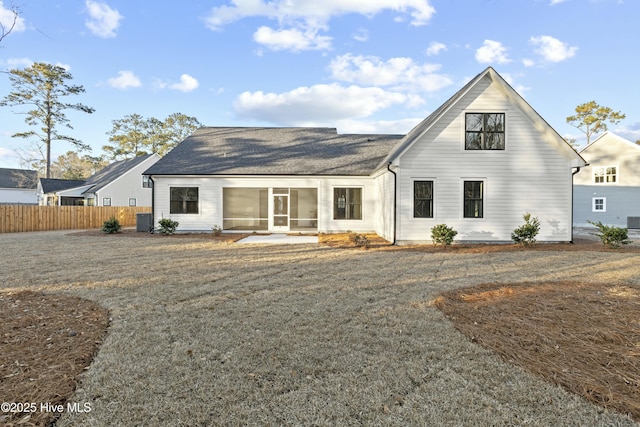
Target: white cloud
{"x": 552, "y": 49}
{"x": 187, "y": 84}
{"x": 362, "y": 35}
{"x": 103, "y": 21}
{"x": 6, "y": 20}
{"x": 528, "y": 62}
{"x": 125, "y": 80}
{"x": 421, "y": 11}
{"x": 294, "y": 39}
{"x": 630, "y": 132}
{"x": 492, "y": 52}
{"x": 307, "y": 106}
{"x": 14, "y": 63}
{"x": 554, "y": 2}
{"x": 398, "y": 73}
{"x": 301, "y": 20}
{"x": 435, "y": 48}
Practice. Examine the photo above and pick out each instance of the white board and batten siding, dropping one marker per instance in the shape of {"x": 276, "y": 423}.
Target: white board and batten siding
{"x": 210, "y": 195}
{"x": 529, "y": 175}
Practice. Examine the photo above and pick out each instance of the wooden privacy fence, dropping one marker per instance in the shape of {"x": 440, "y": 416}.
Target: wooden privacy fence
{"x": 17, "y": 218}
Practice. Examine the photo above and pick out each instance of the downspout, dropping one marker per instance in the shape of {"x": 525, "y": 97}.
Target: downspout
{"x": 395, "y": 202}
{"x": 153, "y": 203}
{"x": 572, "y": 175}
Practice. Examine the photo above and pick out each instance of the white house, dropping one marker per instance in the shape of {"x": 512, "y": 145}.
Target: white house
{"x": 608, "y": 189}
{"x": 18, "y": 186}
{"x": 477, "y": 163}
{"x": 119, "y": 184}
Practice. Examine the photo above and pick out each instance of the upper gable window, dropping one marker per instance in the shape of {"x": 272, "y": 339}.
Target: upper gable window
{"x": 605, "y": 175}
{"x": 484, "y": 131}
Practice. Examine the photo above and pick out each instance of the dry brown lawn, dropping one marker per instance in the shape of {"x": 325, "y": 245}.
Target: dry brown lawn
{"x": 200, "y": 331}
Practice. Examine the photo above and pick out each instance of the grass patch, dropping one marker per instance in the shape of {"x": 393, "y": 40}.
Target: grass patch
{"x": 205, "y": 332}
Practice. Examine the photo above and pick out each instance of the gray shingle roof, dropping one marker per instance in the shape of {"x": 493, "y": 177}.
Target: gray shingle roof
{"x": 274, "y": 151}
{"x": 51, "y": 185}
{"x": 112, "y": 172}
{"x": 18, "y": 178}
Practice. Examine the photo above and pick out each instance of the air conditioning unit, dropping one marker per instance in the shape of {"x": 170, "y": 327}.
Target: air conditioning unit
{"x": 633, "y": 222}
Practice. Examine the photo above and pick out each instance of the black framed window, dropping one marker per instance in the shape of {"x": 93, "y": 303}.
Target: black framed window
{"x": 484, "y": 131}
{"x": 423, "y": 199}
{"x": 473, "y": 199}
{"x": 106, "y": 201}
{"x": 347, "y": 203}
{"x": 184, "y": 200}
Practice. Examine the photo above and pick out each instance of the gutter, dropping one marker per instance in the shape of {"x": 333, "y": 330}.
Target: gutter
{"x": 572, "y": 198}
{"x": 395, "y": 202}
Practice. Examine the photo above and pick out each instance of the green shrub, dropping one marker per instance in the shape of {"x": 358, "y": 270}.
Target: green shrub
{"x": 359, "y": 240}
{"x": 442, "y": 234}
{"x": 167, "y": 226}
{"x": 610, "y": 235}
{"x": 112, "y": 225}
{"x": 526, "y": 233}
{"x": 216, "y": 230}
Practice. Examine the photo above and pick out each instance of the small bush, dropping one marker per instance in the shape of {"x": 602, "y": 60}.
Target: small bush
{"x": 167, "y": 226}
{"x": 216, "y": 230}
{"x": 359, "y": 240}
{"x": 112, "y": 225}
{"x": 610, "y": 235}
{"x": 442, "y": 234}
{"x": 526, "y": 233}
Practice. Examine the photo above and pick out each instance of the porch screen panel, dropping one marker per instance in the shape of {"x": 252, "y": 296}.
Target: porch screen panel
{"x": 304, "y": 209}
{"x": 245, "y": 208}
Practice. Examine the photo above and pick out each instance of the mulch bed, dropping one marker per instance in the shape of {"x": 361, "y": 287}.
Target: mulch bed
{"x": 583, "y": 337}
{"x": 47, "y": 341}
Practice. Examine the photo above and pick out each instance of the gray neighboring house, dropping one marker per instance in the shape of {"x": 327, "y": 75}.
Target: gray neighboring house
{"x": 477, "y": 163}
{"x": 608, "y": 189}
{"x": 119, "y": 184}
{"x": 18, "y": 187}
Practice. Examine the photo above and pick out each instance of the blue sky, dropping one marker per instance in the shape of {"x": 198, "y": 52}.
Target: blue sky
{"x": 362, "y": 66}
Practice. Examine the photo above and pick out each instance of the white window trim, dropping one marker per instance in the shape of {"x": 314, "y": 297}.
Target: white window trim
{"x": 435, "y": 210}
{"x": 593, "y": 174}
{"x": 362, "y": 202}
{"x": 484, "y": 198}
{"x": 484, "y": 111}
{"x": 604, "y": 204}
{"x": 185, "y": 185}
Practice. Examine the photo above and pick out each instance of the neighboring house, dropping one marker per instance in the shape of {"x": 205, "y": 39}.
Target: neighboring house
{"x": 52, "y": 192}
{"x": 478, "y": 163}
{"x": 119, "y": 184}
{"x": 18, "y": 187}
{"x": 608, "y": 190}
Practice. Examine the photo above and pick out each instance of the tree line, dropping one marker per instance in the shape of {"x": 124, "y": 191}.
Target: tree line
{"x": 43, "y": 90}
